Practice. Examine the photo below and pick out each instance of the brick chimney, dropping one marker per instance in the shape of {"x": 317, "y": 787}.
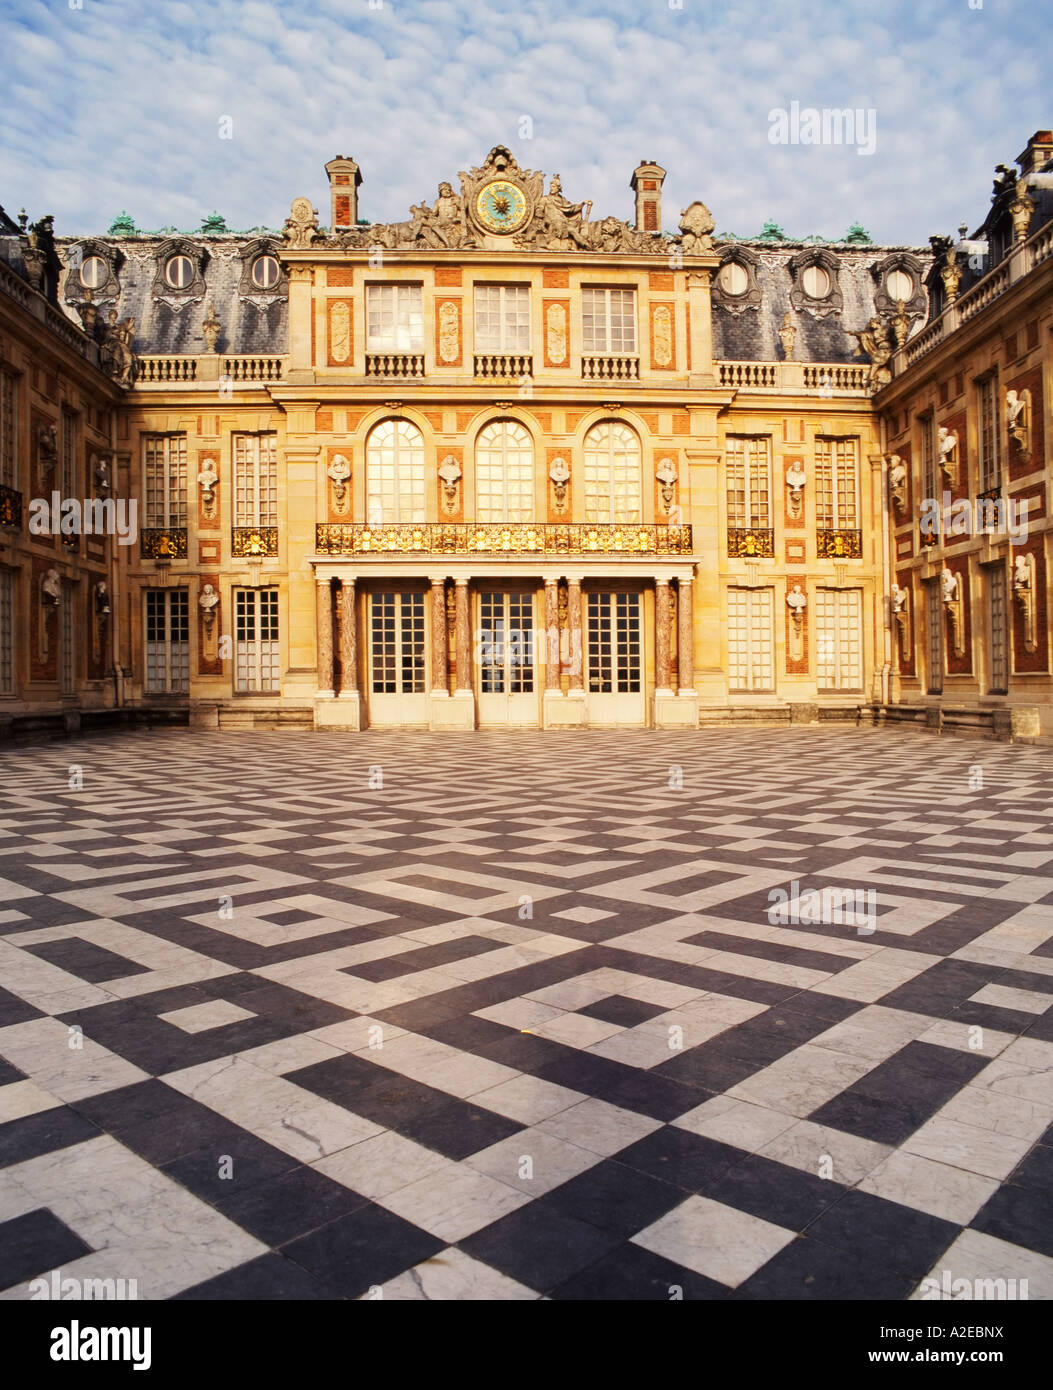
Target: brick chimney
{"x": 646, "y": 183}
{"x": 344, "y": 178}
{"x": 1039, "y": 151}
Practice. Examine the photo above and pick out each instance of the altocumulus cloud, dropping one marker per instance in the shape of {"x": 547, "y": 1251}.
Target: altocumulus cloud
{"x": 118, "y": 104}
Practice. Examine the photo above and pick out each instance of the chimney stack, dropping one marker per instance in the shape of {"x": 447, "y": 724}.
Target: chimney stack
{"x": 344, "y": 178}
{"x": 646, "y": 183}
{"x": 1039, "y": 151}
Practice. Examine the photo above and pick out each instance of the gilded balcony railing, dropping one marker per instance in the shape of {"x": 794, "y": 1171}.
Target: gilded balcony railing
{"x": 168, "y": 543}
{"x": 839, "y": 545}
{"x": 749, "y": 541}
{"x": 10, "y": 507}
{"x": 249, "y": 541}
{"x": 526, "y": 538}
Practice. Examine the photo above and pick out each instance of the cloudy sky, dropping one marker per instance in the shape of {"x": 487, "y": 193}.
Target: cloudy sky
{"x": 120, "y": 104}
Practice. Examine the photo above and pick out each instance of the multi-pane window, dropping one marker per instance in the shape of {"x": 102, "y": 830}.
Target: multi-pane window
{"x": 837, "y": 484}
{"x": 749, "y": 481}
{"x": 255, "y": 480}
{"x": 998, "y": 628}
{"x": 7, "y": 631}
{"x": 167, "y": 641}
{"x": 396, "y": 488}
{"x": 608, "y": 320}
{"x": 506, "y": 662}
{"x": 934, "y": 636}
{"x": 928, "y": 457}
{"x": 8, "y": 457}
{"x": 839, "y": 638}
{"x": 612, "y": 473}
{"x": 397, "y": 643}
{"x": 165, "y": 467}
{"x": 68, "y": 480}
{"x": 502, "y": 318}
{"x": 987, "y": 394}
{"x": 395, "y": 316}
{"x": 504, "y": 473}
{"x": 256, "y": 653}
{"x": 66, "y": 656}
{"x": 614, "y": 643}
{"x": 751, "y": 639}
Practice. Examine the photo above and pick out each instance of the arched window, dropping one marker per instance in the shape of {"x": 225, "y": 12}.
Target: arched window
{"x": 396, "y": 490}
{"x": 612, "y": 473}
{"x": 504, "y": 473}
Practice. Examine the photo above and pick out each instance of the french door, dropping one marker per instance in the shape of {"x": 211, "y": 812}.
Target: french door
{"x": 397, "y": 659}
{"x": 614, "y": 637}
{"x": 506, "y": 667}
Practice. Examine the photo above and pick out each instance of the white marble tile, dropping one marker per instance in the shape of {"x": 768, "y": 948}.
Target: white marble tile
{"x": 953, "y": 1194}
{"x": 451, "y": 1276}
{"x": 714, "y": 1240}
{"x": 599, "y": 1127}
{"x": 454, "y": 1201}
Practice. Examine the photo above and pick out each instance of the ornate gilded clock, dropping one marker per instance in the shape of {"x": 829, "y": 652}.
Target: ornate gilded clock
{"x": 501, "y": 206}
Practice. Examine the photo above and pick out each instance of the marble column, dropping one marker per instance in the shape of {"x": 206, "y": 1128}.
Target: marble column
{"x": 324, "y": 591}
{"x": 551, "y": 633}
{"x": 348, "y": 639}
{"x": 661, "y": 626}
{"x": 464, "y": 638}
{"x": 439, "y": 682}
{"x": 577, "y": 675}
{"x": 686, "y": 635}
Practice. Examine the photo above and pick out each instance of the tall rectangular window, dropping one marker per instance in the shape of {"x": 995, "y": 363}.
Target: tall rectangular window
{"x": 7, "y": 631}
{"x": 502, "y": 318}
{"x": 839, "y": 638}
{"x": 928, "y": 456}
{"x": 749, "y": 481}
{"x": 167, "y": 641}
{"x": 998, "y": 629}
{"x": 256, "y": 653}
{"x": 66, "y": 647}
{"x": 934, "y": 636}
{"x": 987, "y": 398}
{"x": 751, "y": 639}
{"x": 608, "y": 320}
{"x": 8, "y": 414}
{"x": 395, "y": 318}
{"x": 165, "y": 481}
{"x": 837, "y": 484}
{"x": 255, "y": 480}
{"x": 68, "y": 482}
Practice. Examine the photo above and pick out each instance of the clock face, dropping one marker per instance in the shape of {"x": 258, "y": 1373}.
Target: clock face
{"x": 501, "y": 206}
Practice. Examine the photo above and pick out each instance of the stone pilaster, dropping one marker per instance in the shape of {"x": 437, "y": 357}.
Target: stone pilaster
{"x": 551, "y": 632}
{"x": 464, "y": 640}
{"x": 661, "y": 633}
{"x": 439, "y": 680}
{"x": 325, "y": 638}
{"x": 348, "y": 639}
{"x": 576, "y": 654}
{"x": 686, "y": 637}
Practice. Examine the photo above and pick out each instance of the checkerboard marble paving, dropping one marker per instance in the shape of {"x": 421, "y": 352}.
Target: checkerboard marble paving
{"x": 504, "y": 1015}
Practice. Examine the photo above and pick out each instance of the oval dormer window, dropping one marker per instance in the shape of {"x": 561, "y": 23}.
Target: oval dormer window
{"x": 733, "y": 278}
{"x": 815, "y": 282}
{"x": 265, "y": 272}
{"x": 94, "y": 272}
{"x": 179, "y": 272}
{"x": 898, "y": 285}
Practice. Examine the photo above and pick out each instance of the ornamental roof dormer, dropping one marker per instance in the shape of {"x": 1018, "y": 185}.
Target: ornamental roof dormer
{"x": 501, "y": 206}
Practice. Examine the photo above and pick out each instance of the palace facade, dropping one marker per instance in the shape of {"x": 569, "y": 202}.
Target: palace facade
{"x": 507, "y": 464}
